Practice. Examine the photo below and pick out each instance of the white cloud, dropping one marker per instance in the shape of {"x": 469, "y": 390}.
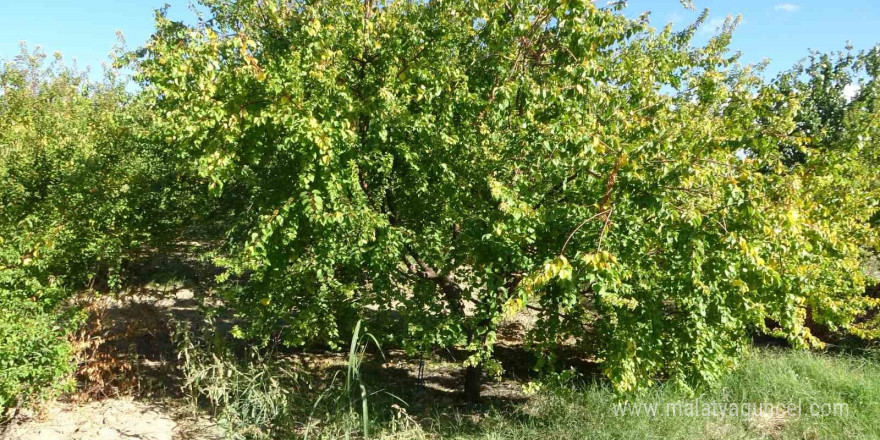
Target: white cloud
{"x": 787, "y": 7}
{"x": 850, "y": 91}
{"x": 712, "y": 27}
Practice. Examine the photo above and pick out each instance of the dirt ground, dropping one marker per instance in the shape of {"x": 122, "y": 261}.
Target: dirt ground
{"x": 112, "y": 419}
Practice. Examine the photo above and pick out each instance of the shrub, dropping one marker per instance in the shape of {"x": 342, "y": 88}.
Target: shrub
{"x": 34, "y": 353}
{"x": 252, "y": 396}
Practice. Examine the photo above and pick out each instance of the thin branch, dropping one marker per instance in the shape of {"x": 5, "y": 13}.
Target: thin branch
{"x": 561, "y": 252}
{"x": 605, "y": 228}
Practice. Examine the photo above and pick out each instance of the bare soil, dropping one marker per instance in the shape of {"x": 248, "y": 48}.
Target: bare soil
{"x": 121, "y": 418}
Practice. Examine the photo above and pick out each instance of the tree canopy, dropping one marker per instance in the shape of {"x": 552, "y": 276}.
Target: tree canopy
{"x": 449, "y": 163}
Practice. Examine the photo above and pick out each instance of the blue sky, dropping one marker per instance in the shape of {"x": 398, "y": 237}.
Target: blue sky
{"x": 781, "y": 30}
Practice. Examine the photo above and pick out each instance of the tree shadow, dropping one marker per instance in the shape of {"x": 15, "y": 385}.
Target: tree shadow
{"x": 127, "y": 345}
{"x": 434, "y": 398}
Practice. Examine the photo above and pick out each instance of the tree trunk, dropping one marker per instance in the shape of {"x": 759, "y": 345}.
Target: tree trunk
{"x": 473, "y": 379}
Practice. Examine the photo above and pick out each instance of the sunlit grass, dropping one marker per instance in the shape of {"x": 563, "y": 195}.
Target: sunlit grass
{"x": 766, "y": 376}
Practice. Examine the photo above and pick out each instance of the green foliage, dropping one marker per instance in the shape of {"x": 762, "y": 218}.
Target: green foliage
{"x": 448, "y": 163}
{"x": 47, "y": 127}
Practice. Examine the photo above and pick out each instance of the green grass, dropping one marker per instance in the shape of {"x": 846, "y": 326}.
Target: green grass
{"x": 767, "y": 376}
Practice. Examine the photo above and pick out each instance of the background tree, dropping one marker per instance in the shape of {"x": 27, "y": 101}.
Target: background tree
{"x": 451, "y": 162}
{"x": 834, "y": 145}
{"x": 78, "y": 193}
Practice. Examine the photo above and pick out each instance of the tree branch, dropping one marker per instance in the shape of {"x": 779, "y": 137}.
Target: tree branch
{"x": 452, "y": 291}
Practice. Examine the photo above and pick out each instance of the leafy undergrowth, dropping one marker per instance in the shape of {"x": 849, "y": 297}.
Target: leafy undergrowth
{"x": 774, "y": 394}
{"x": 281, "y": 394}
